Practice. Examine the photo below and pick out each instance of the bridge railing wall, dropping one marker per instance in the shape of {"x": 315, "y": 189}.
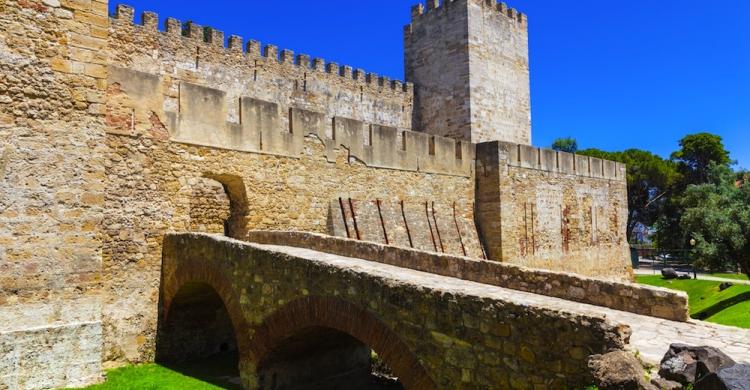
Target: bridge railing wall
{"x": 651, "y": 301}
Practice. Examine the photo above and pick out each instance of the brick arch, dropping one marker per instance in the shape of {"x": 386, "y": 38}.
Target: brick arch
{"x": 342, "y": 316}
{"x": 212, "y": 277}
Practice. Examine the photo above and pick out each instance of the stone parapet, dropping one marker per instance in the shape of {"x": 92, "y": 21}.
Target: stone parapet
{"x": 201, "y": 117}
{"x": 651, "y": 301}
{"x": 419, "y": 10}
{"x": 548, "y": 160}
{"x": 254, "y": 51}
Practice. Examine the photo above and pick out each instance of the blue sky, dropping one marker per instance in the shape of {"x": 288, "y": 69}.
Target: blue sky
{"x": 614, "y": 75}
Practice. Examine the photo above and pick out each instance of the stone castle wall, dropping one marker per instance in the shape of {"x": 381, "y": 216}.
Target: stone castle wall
{"x": 113, "y": 133}
{"x": 469, "y": 62}
{"x": 558, "y": 211}
{"x": 52, "y": 83}
{"x": 426, "y": 226}
{"x": 171, "y": 125}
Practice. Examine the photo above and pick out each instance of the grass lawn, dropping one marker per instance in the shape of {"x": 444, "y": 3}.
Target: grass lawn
{"x": 737, "y": 315}
{"x": 157, "y": 377}
{"x": 728, "y": 307}
{"x": 731, "y": 276}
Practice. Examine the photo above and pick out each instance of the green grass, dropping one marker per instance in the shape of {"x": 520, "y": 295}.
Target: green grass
{"x": 728, "y": 307}
{"x": 737, "y": 315}
{"x": 156, "y": 377}
{"x": 731, "y": 276}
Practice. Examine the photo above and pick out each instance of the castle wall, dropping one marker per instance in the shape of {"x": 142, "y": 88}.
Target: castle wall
{"x": 114, "y": 133}
{"x": 469, "y": 62}
{"x": 553, "y": 210}
{"x": 181, "y": 108}
{"x": 190, "y": 53}
{"x": 425, "y": 226}
{"x": 52, "y": 79}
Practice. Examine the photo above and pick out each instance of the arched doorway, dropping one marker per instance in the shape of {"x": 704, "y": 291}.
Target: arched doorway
{"x": 214, "y": 203}
{"x": 327, "y": 343}
{"x": 197, "y": 338}
{"x": 209, "y": 206}
{"x": 235, "y": 225}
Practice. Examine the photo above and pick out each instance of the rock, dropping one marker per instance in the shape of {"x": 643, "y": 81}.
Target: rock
{"x": 669, "y": 273}
{"x": 684, "y": 276}
{"x": 687, "y": 364}
{"x": 618, "y": 370}
{"x": 736, "y": 377}
{"x": 725, "y": 286}
{"x": 663, "y": 384}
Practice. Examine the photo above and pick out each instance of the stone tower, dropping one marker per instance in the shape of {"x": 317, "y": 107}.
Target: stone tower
{"x": 469, "y": 62}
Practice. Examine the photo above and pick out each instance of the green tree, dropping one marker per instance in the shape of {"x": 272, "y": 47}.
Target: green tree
{"x": 717, "y": 215}
{"x": 649, "y": 180}
{"x": 567, "y": 144}
{"x": 696, "y": 155}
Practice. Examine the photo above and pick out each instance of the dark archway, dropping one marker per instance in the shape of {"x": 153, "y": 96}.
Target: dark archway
{"x": 325, "y": 343}
{"x": 197, "y": 338}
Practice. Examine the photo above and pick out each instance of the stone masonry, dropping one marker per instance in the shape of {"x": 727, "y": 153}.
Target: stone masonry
{"x": 469, "y": 62}
{"x": 553, "y": 210}
{"x": 417, "y": 321}
{"x": 115, "y": 132}
{"x": 53, "y": 70}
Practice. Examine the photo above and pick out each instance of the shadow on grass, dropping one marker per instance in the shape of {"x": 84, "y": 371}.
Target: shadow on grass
{"x": 725, "y": 304}
{"x": 219, "y": 370}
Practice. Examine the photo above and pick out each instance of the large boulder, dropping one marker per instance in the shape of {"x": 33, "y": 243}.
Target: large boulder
{"x": 618, "y": 370}
{"x": 688, "y": 364}
{"x": 669, "y": 273}
{"x": 736, "y": 377}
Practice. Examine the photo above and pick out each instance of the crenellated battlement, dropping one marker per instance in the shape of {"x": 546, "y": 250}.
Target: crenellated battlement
{"x": 435, "y": 7}
{"x": 253, "y": 50}
{"x": 200, "y": 117}
{"x": 548, "y": 160}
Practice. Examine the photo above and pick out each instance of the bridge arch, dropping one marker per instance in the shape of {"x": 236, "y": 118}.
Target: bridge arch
{"x": 201, "y": 293}
{"x": 200, "y": 282}
{"x": 299, "y": 324}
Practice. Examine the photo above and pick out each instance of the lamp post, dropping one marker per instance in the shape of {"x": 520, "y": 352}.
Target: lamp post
{"x": 692, "y": 246}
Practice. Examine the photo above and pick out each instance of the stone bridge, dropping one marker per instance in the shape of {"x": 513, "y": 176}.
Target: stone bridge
{"x": 299, "y": 316}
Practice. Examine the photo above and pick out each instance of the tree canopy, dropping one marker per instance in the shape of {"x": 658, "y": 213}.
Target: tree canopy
{"x": 696, "y": 155}
{"x": 567, "y": 144}
{"x": 717, "y": 215}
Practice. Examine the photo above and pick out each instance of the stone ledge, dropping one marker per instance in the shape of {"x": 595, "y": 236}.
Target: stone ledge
{"x": 650, "y": 301}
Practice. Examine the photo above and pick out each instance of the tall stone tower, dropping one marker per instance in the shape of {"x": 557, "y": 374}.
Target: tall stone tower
{"x": 469, "y": 62}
